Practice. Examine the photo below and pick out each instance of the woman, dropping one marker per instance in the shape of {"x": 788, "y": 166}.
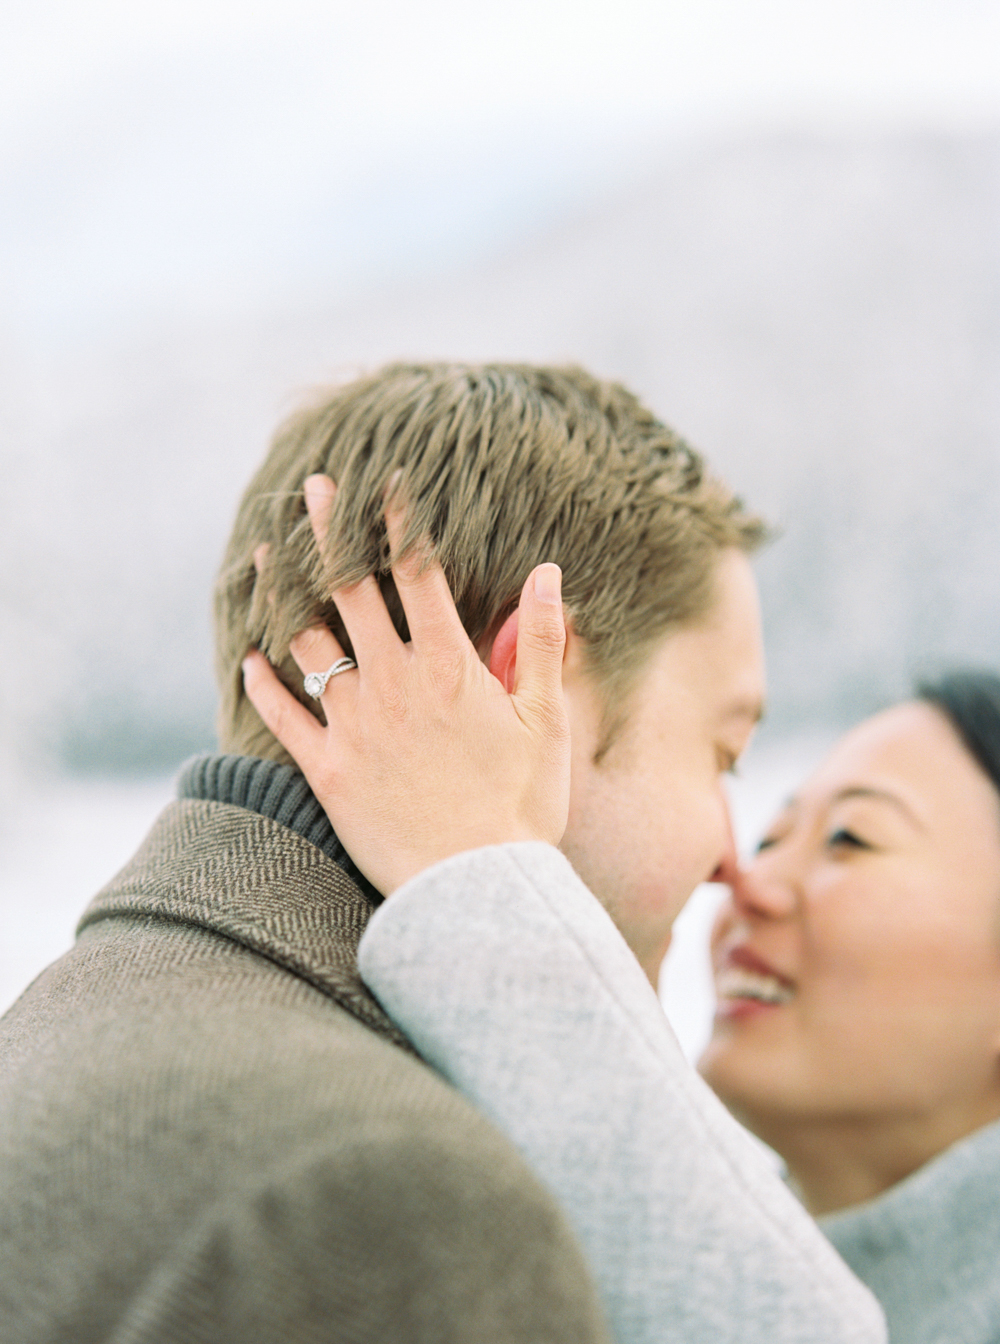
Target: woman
{"x": 857, "y": 970}
{"x": 858, "y": 1027}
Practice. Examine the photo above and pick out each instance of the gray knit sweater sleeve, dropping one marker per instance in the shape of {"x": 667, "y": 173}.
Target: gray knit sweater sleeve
{"x": 514, "y": 983}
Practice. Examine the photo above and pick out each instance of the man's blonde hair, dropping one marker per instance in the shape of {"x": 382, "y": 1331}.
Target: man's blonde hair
{"x": 503, "y": 466}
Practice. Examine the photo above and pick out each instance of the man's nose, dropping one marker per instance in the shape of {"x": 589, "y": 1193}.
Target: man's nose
{"x": 727, "y": 868}
{"x": 763, "y": 887}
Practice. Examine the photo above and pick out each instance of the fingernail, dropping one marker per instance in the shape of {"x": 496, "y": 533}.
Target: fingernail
{"x": 392, "y": 482}
{"x": 548, "y": 583}
{"x": 325, "y": 485}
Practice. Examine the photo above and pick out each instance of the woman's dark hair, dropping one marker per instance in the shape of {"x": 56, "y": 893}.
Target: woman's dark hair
{"x": 970, "y": 700}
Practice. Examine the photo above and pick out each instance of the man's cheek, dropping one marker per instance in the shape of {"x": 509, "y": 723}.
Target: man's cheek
{"x": 663, "y": 888}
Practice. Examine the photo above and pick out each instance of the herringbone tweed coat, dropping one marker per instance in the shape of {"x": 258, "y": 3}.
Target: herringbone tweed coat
{"x": 210, "y": 1131}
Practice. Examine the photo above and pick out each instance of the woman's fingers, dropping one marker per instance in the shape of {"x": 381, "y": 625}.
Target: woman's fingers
{"x": 541, "y": 643}
{"x": 421, "y": 583}
{"x": 298, "y": 731}
{"x": 361, "y": 605}
{"x": 452, "y": 762}
{"x": 317, "y": 653}
{"x": 423, "y": 589}
{"x": 315, "y": 649}
{"x": 541, "y": 634}
{"x": 320, "y": 492}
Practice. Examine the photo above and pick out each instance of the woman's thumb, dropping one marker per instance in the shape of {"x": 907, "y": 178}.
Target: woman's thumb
{"x": 541, "y": 640}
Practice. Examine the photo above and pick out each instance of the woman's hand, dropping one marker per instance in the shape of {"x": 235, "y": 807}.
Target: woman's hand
{"x": 425, "y": 754}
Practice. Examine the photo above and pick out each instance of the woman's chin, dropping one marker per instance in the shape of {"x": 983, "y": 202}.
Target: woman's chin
{"x": 746, "y": 1055}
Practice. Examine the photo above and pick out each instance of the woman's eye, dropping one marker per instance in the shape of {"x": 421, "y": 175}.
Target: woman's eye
{"x": 767, "y": 842}
{"x": 847, "y": 839}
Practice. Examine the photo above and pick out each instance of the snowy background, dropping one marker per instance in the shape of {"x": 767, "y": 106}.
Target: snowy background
{"x": 780, "y": 223}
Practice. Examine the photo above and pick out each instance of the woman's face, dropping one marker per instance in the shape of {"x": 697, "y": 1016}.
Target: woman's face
{"x": 857, "y": 963}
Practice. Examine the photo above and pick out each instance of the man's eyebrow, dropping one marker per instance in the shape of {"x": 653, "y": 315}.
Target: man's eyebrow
{"x": 880, "y": 795}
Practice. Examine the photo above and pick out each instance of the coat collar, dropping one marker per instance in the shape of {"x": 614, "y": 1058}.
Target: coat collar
{"x": 250, "y": 878}
{"x": 278, "y": 791}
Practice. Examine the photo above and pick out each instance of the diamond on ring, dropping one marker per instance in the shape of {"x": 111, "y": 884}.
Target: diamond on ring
{"x": 315, "y": 682}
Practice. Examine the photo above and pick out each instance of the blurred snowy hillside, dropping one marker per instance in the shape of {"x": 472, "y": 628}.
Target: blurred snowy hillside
{"x": 779, "y": 223}
{"x": 819, "y": 313}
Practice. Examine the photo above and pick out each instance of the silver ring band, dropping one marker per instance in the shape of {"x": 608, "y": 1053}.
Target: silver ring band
{"x": 315, "y": 682}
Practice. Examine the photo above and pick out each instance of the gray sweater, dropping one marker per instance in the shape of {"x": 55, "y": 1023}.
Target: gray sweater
{"x": 930, "y": 1246}
{"x": 512, "y": 980}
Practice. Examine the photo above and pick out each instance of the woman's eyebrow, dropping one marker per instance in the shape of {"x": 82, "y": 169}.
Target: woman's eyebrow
{"x": 883, "y": 796}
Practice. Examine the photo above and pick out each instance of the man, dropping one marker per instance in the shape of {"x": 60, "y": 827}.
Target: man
{"x": 210, "y": 1130}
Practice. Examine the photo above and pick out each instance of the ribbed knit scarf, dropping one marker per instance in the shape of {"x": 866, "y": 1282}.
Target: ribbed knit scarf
{"x": 279, "y": 792}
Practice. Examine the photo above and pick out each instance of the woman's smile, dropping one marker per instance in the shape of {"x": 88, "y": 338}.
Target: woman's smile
{"x": 746, "y": 985}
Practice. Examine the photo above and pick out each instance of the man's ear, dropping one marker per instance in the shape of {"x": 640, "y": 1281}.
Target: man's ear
{"x": 503, "y": 655}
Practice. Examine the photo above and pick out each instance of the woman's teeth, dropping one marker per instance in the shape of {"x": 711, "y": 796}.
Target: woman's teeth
{"x": 736, "y": 982}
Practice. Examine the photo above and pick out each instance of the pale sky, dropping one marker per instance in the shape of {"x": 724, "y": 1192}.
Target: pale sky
{"x": 547, "y": 57}
{"x": 156, "y": 156}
